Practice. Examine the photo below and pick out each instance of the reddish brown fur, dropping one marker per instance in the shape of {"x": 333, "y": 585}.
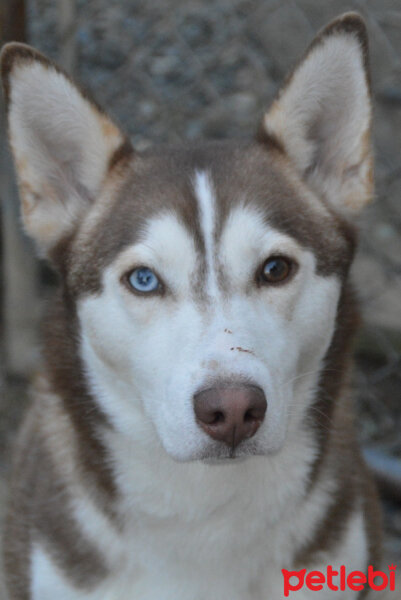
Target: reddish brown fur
{"x": 332, "y": 416}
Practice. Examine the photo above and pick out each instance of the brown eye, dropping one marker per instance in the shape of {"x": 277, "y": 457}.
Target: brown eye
{"x": 276, "y": 269}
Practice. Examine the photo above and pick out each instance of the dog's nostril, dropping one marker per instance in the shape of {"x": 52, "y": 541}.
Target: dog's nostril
{"x": 248, "y": 416}
{"x": 256, "y": 413}
{"x": 218, "y": 417}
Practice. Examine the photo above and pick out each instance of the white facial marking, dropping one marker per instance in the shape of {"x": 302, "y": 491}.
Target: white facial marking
{"x": 246, "y": 242}
{"x": 207, "y": 209}
{"x": 151, "y": 355}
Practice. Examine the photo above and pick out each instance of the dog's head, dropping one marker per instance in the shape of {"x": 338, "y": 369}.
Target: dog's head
{"x": 206, "y": 278}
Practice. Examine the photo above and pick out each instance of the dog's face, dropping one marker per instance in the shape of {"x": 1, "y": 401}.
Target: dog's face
{"x": 231, "y": 283}
{"x": 206, "y": 279}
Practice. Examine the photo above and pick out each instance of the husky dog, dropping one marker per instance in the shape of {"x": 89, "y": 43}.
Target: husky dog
{"x": 192, "y": 435}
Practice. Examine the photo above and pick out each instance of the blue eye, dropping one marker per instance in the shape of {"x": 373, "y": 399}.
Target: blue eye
{"x": 143, "y": 280}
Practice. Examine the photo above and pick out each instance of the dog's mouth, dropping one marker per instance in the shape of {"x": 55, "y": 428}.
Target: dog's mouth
{"x": 218, "y": 454}
{"x": 228, "y": 460}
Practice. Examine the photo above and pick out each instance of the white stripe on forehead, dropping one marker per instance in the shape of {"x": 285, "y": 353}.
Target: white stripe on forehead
{"x": 204, "y": 194}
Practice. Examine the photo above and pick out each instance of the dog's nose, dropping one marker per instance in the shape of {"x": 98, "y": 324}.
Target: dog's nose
{"x": 230, "y": 414}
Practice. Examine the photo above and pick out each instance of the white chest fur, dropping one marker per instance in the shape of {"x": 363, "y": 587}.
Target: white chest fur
{"x": 234, "y": 551}
{"x": 196, "y": 531}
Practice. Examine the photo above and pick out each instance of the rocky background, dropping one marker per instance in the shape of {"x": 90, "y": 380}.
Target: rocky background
{"x": 171, "y": 70}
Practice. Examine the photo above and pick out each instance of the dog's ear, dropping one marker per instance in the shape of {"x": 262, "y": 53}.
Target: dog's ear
{"x": 321, "y": 117}
{"x": 63, "y": 144}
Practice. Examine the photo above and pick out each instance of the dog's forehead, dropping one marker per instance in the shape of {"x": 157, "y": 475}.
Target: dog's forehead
{"x": 202, "y": 186}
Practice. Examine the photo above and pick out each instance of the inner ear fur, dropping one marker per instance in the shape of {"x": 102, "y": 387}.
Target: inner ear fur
{"x": 321, "y": 117}
{"x": 62, "y": 142}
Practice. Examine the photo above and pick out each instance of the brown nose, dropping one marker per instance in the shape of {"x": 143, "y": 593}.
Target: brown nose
{"x": 230, "y": 414}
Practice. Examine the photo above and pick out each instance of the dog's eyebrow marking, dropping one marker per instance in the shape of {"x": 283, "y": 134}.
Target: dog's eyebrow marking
{"x": 207, "y": 209}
